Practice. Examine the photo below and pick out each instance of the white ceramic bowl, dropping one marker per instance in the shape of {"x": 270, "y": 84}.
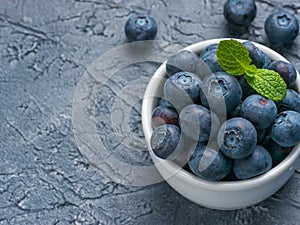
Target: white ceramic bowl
{"x": 225, "y": 195}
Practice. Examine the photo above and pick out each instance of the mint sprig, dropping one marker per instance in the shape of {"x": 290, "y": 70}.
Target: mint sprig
{"x": 234, "y": 58}
{"x": 268, "y": 84}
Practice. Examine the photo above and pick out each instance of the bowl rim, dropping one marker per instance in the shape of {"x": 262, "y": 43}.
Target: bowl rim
{"x": 272, "y": 174}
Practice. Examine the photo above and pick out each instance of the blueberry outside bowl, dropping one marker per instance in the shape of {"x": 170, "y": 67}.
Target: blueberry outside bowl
{"x": 224, "y": 195}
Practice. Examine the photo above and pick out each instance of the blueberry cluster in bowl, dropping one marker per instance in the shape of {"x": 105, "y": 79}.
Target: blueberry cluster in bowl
{"x": 230, "y": 131}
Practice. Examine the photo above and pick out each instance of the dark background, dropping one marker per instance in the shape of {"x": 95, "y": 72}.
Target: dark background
{"x": 45, "y": 47}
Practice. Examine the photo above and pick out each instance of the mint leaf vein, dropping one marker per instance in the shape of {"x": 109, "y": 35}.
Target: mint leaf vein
{"x": 234, "y": 58}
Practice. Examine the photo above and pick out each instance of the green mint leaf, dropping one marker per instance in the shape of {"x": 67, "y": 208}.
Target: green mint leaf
{"x": 268, "y": 83}
{"x": 250, "y": 70}
{"x": 233, "y": 57}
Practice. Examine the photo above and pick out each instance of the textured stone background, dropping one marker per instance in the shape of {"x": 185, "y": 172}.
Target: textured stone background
{"x": 45, "y": 47}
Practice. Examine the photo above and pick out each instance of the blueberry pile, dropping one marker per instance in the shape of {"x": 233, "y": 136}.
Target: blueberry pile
{"x": 236, "y": 133}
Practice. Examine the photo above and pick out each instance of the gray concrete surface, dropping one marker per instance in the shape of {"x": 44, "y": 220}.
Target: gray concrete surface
{"x": 45, "y": 48}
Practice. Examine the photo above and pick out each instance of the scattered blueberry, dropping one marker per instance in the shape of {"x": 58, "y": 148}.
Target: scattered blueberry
{"x": 239, "y": 12}
{"x": 277, "y": 152}
{"x": 198, "y": 122}
{"x": 165, "y": 140}
{"x": 281, "y": 28}
{"x": 164, "y": 115}
{"x": 182, "y": 61}
{"x": 286, "y": 70}
{"x": 237, "y": 138}
{"x": 182, "y": 88}
{"x": 211, "y": 60}
{"x": 290, "y": 102}
{"x": 140, "y": 27}
{"x": 221, "y": 91}
{"x": 257, "y": 163}
{"x": 210, "y": 164}
{"x": 285, "y": 130}
{"x": 259, "y": 110}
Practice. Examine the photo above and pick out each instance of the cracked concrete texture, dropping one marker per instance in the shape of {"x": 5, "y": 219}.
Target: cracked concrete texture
{"x": 45, "y": 47}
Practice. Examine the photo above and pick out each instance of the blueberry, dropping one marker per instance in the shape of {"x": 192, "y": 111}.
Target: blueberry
{"x": 182, "y": 61}
{"x": 277, "y": 152}
{"x": 286, "y": 70}
{"x": 261, "y": 134}
{"x": 247, "y": 90}
{"x": 211, "y": 60}
{"x": 239, "y": 12}
{"x": 210, "y": 164}
{"x": 257, "y": 163}
{"x": 198, "y": 122}
{"x": 267, "y": 61}
{"x": 140, "y": 27}
{"x": 291, "y": 101}
{"x": 254, "y": 54}
{"x": 236, "y": 112}
{"x": 182, "y": 88}
{"x": 259, "y": 58}
{"x": 209, "y": 48}
{"x": 281, "y": 28}
{"x": 221, "y": 90}
{"x": 164, "y": 115}
{"x": 285, "y": 130}
{"x": 259, "y": 110}
{"x": 267, "y": 138}
{"x": 165, "y": 103}
{"x": 237, "y": 138}
{"x": 231, "y": 176}
{"x": 165, "y": 140}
